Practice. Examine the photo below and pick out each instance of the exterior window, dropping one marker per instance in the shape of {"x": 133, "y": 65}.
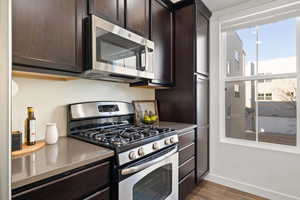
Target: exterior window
{"x": 266, "y": 108}
{"x": 268, "y": 96}
{"x": 261, "y": 96}
{"x": 236, "y": 56}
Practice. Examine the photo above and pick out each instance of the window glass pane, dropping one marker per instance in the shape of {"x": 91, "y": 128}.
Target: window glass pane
{"x": 277, "y": 47}
{"x": 262, "y": 50}
{"x": 277, "y": 121}
{"x": 240, "y": 110}
{"x": 236, "y": 53}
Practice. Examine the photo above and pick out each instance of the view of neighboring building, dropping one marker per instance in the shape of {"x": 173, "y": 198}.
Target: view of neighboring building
{"x": 272, "y": 102}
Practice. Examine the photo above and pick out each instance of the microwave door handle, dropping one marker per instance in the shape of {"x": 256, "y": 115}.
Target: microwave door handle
{"x": 132, "y": 170}
{"x": 146, "y": 58}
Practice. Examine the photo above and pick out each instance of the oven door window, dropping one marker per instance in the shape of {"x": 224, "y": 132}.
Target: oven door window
{"x": 155, "y": 186}
{"x": 117, "y": 51}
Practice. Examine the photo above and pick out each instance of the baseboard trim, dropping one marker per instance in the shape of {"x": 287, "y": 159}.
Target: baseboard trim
{"x": 253, "y": 189}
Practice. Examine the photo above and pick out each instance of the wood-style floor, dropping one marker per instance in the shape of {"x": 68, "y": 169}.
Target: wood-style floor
{"x": 212, "y": 191}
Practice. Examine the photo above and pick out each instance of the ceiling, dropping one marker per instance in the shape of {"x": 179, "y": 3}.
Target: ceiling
{"x": 215, "y": 5}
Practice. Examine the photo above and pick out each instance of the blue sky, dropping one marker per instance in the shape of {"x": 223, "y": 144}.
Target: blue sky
{"x": 278, "y": 40}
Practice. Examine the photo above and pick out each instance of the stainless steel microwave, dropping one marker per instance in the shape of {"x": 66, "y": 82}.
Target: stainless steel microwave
{"x": 116, "y": 54}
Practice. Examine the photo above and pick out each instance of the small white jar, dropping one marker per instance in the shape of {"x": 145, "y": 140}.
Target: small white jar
{"x": 51, "y": 136}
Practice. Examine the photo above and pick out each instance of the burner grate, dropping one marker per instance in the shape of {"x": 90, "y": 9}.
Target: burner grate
{"x": 122, "y": 135}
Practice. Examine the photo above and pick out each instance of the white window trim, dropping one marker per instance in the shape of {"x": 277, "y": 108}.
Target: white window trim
{"x": 281, "y": 7}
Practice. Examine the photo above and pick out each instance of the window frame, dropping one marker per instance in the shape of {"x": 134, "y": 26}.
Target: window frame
{"x": 223, "y": 79}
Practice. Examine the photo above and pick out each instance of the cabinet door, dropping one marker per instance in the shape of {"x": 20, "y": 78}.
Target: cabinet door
{"x": 137, "y": 16}
{"x": 73, "y": 186}
{"x": 202, "y": 44}
{"x": 48, "y": 34}
{"x": 101, "y": 195}
{"x": 202, "y": 101}
{"x": 162, "y": 36}
{"x": 111, "y": 10}
{"x": 202, "y": 152}
{"x": 186, "y": 186}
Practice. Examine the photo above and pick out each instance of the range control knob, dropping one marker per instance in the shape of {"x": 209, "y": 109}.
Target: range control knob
{"x": 155, "y": 146}
{"x": 141, "y": 151}
{"x": 167, "y": 142}
{"x": 132, "y": 155}
{"x": 173, "y": 140}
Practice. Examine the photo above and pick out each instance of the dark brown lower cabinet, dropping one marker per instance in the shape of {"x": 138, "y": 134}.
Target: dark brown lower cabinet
{"x": 186, "y": 185}
{"x": 101, "y": 195}
{"x": 187, "y": 163}
{"x": 87, "y": 183}
{"x": 186, "y": 167}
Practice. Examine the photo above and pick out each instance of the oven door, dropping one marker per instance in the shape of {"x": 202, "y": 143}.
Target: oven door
{"x": 156, "y": 178}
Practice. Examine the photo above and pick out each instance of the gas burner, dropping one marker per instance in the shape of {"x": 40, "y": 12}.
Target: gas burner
{"x": 118, "y": 140}
{"x": 119, "y": 135}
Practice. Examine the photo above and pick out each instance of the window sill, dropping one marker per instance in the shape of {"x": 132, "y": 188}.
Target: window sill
{"x": 261, "y": 145}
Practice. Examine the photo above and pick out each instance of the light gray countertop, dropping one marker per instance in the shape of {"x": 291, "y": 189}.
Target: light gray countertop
{"x": 65, "y": 155}
{"x": 180, "y": 127}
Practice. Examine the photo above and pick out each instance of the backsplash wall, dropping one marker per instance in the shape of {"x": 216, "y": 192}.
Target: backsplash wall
{"x": 49, "y": 99}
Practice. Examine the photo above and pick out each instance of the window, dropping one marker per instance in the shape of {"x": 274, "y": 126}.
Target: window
{"x": 268, "y": 96}
{"x": 236, "y": 56}
{"x": 261, "y": 96}
{"x": 265, "y": 111}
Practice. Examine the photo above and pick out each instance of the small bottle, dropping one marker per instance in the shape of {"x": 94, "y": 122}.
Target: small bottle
{"x": 30, "y": 127}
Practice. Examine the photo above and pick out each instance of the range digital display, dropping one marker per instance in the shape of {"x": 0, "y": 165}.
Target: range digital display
{"x": 108, "y": 108}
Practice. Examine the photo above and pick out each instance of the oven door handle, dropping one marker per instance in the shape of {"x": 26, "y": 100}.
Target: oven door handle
{"x": 138, "y": 168}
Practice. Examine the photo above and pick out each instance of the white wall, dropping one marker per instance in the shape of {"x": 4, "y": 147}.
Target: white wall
{"x": 49, "y": 98}
{"x": 272, "y": 174}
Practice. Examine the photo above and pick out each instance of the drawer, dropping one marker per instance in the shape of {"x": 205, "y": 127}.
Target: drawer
{"x": 74, "y": 186}
{"x": 186, "y": 186}
{"x": 101, "y": 195}
{"x": 186, "y": 153}
{"x": 186, "y": 139}
{"x": 186, "y": 168}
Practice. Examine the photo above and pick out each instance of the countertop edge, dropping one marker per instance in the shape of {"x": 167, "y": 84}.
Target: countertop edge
{"x": 186, "y": 129}
{"x": 96, "y": 156}
{"x": 178, "y": 126}
{"x": 57, "y": 171}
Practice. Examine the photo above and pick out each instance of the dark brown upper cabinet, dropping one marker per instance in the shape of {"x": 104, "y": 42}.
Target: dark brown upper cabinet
{"x": 191, "y": 82}
{"x": 48, "y": 35}
{"x": 137, "y": 16}
{"x": 111, "y": 10}
{"x": 162, "y": 35}
{"x": 130, "y": 14}
{"x": 202, "y": 44}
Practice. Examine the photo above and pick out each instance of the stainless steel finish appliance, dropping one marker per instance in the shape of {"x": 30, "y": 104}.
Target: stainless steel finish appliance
{"x": 146, "y": 162}
{"x": 117, "y": 54}
{"x": 153, "y": 178}
{"x": 100, "y": 109}
{"x": 146, "y": 149}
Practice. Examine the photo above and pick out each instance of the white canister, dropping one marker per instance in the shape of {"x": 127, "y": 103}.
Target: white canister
{"x": 51, "y": 136}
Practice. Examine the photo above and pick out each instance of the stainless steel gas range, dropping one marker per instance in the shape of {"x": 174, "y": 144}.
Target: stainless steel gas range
{"x": 146, "y": 164}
